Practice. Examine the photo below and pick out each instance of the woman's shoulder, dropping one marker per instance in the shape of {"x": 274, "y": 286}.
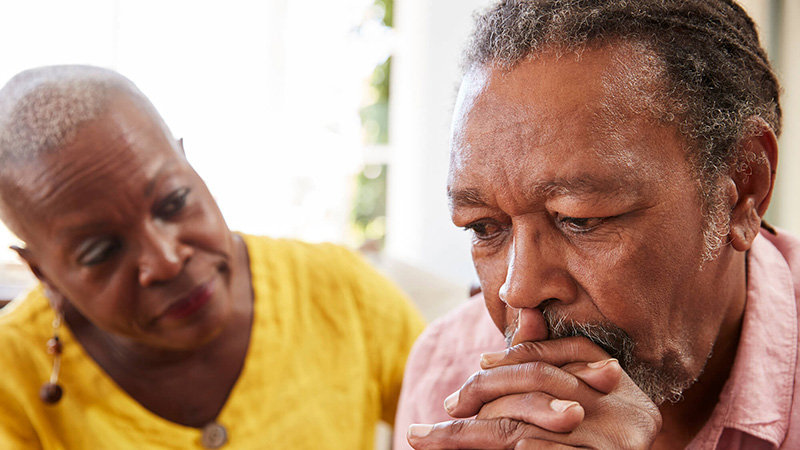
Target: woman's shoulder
{"x": 25, "y": 327}
{"x": 27, "y": 314}
{"x": 320, "y": 271}
{"x": 299, "y": 256}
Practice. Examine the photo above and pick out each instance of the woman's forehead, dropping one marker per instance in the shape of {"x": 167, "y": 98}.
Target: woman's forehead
{"x": 117, "y": 156}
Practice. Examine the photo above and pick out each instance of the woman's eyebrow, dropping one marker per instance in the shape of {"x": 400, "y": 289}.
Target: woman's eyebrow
{"x": 151, "y": 185}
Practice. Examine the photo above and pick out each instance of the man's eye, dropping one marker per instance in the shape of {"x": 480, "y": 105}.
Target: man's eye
{"x": 580, "y": 224}
{"x": 98, "y": 251}
{"x": 173, "y": 204}
{"x": 484, "y": 230}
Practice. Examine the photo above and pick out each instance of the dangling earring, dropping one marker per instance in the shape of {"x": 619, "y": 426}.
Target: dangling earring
{"x": 51, "y": 392}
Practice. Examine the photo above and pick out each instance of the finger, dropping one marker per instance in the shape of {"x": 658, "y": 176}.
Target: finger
{"x": 536, "y": 408}
{"x": 553, "y": 351}
{"x": 539, "y": 444}
{"x": 490, "y": 434}
{"x": 531, "y": 326}
{"x": 488, "y": 385}
{"x": 604, "y": 376}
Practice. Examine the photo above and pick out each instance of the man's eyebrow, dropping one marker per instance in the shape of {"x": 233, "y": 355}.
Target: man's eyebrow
{"x": 581, "y": 185}
{"x": 466, "y": 198}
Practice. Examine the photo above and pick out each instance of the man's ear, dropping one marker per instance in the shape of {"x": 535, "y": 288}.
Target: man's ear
{"x": 753, "y": 173}
{"x": 57, "y": 299}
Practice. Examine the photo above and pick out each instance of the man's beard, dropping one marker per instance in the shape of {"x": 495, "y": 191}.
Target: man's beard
{"x": 660, "y": 384}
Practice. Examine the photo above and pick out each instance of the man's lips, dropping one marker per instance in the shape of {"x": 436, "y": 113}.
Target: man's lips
{"x": 192, "y": 302}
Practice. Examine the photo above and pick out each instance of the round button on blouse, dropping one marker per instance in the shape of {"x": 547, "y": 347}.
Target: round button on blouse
{"x": 214, "y": 435}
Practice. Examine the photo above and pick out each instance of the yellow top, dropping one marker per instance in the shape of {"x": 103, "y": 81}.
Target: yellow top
{"x": 325, "y": 362}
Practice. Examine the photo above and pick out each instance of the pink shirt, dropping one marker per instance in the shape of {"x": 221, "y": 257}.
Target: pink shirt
{"x": 756, "y": 409}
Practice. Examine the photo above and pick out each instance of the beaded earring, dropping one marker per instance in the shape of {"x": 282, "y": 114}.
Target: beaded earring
{"x": 51, "y": 391}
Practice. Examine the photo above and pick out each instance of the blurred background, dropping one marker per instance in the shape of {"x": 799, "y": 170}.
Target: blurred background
{"x": 325, "y": 120}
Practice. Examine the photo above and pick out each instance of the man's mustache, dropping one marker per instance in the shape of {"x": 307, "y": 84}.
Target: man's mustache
{"x": 611, "y": 338}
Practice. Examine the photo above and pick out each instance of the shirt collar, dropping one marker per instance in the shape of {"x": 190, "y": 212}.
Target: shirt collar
{"x": 757, "y": 397}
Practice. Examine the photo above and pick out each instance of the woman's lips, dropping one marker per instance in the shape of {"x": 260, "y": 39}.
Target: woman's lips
{"x": 192, "y": 302}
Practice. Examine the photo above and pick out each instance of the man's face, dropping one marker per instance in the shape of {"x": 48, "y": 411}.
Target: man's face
{"x": 585, "y": 210}
{"x": 119, "y": 224}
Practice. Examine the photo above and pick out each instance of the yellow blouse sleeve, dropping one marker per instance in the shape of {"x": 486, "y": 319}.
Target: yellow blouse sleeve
{"x": 16, "y": 430}
{"x": 391, "y": 325}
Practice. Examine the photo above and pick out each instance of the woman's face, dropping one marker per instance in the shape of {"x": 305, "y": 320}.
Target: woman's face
{"x": 120, "y": 226}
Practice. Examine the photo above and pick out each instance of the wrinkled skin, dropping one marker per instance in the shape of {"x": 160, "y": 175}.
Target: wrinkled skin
{"x": 132, "y": 248}
{"x": 599, "y": 220}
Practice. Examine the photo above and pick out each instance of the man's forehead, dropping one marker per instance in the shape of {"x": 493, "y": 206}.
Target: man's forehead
{"x": 556, "y": 126}
{"x": 620, "y": 78}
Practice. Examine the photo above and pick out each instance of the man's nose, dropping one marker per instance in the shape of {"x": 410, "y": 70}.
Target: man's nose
{"x": 163, "y": 255}
{"x": 536, "y": 272}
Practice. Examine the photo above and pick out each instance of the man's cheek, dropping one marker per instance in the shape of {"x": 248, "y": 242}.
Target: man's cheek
{"x": 502, "y": 315}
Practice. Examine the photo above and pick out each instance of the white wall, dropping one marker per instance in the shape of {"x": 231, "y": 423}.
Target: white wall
{"x": 787, "y": 202}
{"x": 265, "y": 94}
{"x": 425, "y": 76}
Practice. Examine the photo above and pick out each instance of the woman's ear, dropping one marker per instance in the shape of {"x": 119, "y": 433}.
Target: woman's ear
{"x": 57, "y": 299}
{"x": 753, "y": 173}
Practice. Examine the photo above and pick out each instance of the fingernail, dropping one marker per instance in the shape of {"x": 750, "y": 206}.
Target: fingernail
{"x": 600, "y": 364}
{"x": 492, "y": 358}
{"x": 451, "y": 401}
{"x": 419, "y": 430}
{"x": 560, "y": 406}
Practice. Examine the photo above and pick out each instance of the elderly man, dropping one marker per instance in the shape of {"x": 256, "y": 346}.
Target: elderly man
{"x": 613, "y": 161}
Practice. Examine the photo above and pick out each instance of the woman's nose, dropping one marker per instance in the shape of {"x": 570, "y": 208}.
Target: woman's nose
{"x": 163, "y": 255}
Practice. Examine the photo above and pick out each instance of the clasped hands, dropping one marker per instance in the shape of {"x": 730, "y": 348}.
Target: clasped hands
{"x": 548, "y": 394}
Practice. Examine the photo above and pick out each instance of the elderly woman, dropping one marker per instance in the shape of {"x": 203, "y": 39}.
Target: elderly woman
{"x": 155, "y": 326}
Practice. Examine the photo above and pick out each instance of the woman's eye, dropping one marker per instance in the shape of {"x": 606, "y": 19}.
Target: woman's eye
{"x": 580, "y": 224}
{"x": 98, "y": 251}
{"x": 484, "y": 230}
{"x": 173, "y": 204}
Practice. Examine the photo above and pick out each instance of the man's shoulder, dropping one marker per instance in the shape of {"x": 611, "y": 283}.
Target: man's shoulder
{"x": 450, "y": 347}
{"x": 788, "y": 245}
{"x": 444, "y": 356}
{"x": 466, "y": 329}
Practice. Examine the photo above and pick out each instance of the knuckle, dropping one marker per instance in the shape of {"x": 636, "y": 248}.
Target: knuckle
{"x": 474, "y": 382}
{"x": 457, "y": 427}
{"x": 546, "y": 376}
{"x": 535, "y": 368}
{"x": 653, "y": 426}
{"x": 636, "y": 441}
{"x": 508, "y": 429}
{"x": 644, "y": 429}
{"x": 529, "y": 351}
{"x": 580, "y": 345}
